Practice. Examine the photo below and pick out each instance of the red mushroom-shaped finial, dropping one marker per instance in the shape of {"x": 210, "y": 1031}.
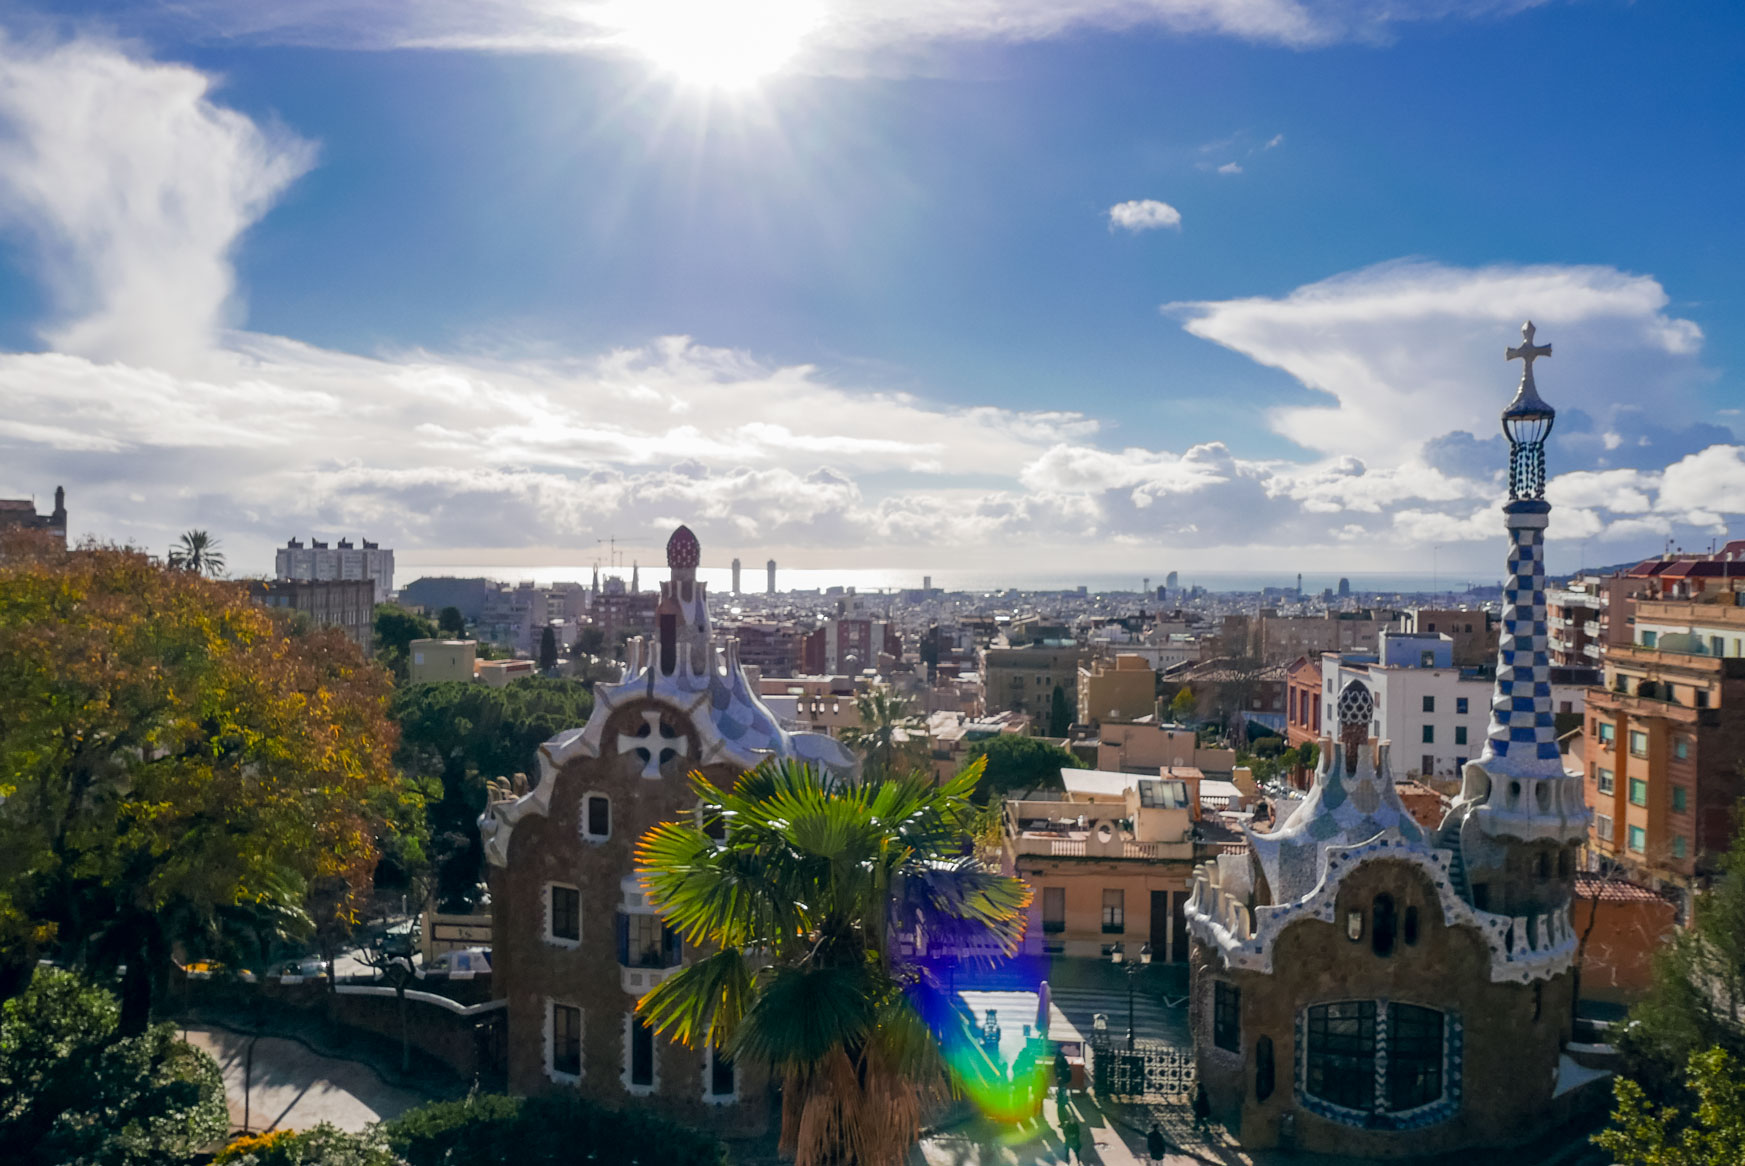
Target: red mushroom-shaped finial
{"x": 682, "y": 549}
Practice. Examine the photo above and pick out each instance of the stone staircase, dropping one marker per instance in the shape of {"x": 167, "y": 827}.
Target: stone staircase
{"x": 1448, "y": 838}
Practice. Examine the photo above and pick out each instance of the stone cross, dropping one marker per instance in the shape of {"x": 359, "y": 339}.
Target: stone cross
{"x": 1527, "y": 352}
{"x": 651, "y": 743}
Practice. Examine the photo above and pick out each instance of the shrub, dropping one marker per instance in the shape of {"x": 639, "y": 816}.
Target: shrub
{"x": 322, "y": 1146}
{"x": 494, "y": 1130}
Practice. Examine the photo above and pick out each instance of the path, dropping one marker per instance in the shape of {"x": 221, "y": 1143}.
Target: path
{"x": 294, "y": 1088}
{"x": 986, "y": 1143}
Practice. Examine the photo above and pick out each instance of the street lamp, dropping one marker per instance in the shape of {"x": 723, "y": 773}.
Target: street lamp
{"x": 1118, "y": 957}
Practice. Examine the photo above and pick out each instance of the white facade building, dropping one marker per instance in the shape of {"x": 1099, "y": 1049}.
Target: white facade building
{"x": 1435, "y": 715}
{"x": 343, "y": 560}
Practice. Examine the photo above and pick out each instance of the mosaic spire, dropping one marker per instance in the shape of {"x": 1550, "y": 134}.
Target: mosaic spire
{"x": 1522, "y": 740}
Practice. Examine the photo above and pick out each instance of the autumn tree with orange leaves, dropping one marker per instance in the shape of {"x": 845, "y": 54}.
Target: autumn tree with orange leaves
{"x": 174, "y": 762}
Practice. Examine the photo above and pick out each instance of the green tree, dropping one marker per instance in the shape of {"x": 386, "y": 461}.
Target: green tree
{"x": 74, "y": 1091}
{"x": 1181, "y": 709}
{"x": 548, "y": 650}
{"x": 457, "y": 736}
{"x": 802, "y": 906}
{"x": 1642, "y": 1134}
{"x": 1059, "y": 713}
{"x": 1017, "y": 764}
{"x": 198, "y": 552}
{"x": 884, "y": 746}
{"x": 591, "y": 641}
{"x": 172, "y": 762}
{"x": 396, "y": 628}
{"x": 451, "y": 623}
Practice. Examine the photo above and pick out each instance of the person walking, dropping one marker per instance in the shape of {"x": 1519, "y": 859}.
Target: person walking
{"x": 1154, "y": 1143}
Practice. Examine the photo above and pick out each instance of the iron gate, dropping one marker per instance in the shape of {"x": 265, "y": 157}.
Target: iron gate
{"x": 1150, "y": 1070}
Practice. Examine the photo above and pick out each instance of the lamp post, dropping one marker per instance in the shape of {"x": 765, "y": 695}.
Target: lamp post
{"x": 1118, "y": 957}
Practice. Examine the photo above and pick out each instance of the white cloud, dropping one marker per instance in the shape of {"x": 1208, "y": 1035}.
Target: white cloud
{"x": 1274, "y": 141}
{"x": 1230, "y": 168}
{"x": 1401, "y": 352}
{"x": 832, "y": 27}
{"x": 134, "y": 186}
{"x": 1143, "y": 214}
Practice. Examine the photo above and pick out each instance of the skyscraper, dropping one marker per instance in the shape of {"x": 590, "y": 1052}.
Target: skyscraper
{"x": 772, "y": 576}
{"x": 736, "y": 576}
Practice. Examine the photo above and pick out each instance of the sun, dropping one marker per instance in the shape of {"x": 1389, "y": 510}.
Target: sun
{"x": 717, "y": 44}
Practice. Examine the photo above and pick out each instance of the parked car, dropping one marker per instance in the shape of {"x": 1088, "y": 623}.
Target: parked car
{"x": 307, "y": 968}
{"x": 468, "y": 961}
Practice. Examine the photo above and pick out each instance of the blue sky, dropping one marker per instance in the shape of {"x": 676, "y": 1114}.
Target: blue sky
{"x": 326, "y": 278}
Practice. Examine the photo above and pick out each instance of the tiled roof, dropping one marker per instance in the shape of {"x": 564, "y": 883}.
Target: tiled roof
{"x": 1614, "y": 890}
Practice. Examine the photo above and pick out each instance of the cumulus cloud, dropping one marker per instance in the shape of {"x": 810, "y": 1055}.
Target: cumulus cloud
{"x": 1143, "y": 214}
{"x": 132, "y": 186}
{"x": 1230, "y": 168}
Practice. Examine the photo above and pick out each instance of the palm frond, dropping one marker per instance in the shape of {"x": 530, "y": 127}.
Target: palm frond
{"x": 804, "y": 1013}
{"x": 703, "y": 1003}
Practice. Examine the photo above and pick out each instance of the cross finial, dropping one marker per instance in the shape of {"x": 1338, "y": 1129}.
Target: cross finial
{"x": 1527, "y": 352}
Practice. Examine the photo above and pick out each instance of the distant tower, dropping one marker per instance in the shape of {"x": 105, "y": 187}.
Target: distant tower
{"x": 1171, "y": 581}
{"x": 772, "y": 576}
{"x": 1344, "y": 587}
{"x": 596, "y": 578}
{"x": 926, "y": 582}
{"x": 58, "y": 519}
{"x": 1145, "y": 587}
{"x": 1299, "y": 584}
{"x": 736, "y": 576}
{"x": 635, "y": 582}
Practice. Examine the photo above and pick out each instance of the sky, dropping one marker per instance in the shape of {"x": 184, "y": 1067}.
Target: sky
{"x": 1024, "y": 287}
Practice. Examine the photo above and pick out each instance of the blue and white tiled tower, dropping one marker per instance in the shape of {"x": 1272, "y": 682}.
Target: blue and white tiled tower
{"x": 1517, "y": 788}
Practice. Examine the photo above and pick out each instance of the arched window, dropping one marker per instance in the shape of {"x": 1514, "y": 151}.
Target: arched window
{"x": 1409, "y": 929}
{"x": 1263, "y": 1068}
{"x": 1369, "y": 1060}
{"x": 1381, "y": 928}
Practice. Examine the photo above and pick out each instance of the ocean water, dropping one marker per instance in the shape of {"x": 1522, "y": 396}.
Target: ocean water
{"x": 752, "y": 581}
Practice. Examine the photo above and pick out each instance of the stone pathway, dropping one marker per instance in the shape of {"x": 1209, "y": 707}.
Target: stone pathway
{"x": 986, "y": 1143}
{"x": 294, "y": 1088}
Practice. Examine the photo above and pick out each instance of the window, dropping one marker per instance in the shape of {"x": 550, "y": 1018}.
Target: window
{"x": 1679, "y": 846}
{"x": 641, "y": 1075}
{"x": 1227, "y": 1016}
{"x": 721, "y": 1082}
{"x": 1114, "y": 912}
{"x": 1649, "y": 639}
{"x": 1264, "y": 1071}
{"x": 1426, "y": 660}
{"x": 1679, "y": 799}
{"x": 1602, "y": 827}
{"x": 1603, "y": 779}
{"x": 1638, "y": 839}
{"x": 1427, "y": 765}
{"x": 1340, "y": 1065}
{"x": 1409, "y": 928}
{"x": 1429, "y": 704}
{"x": 1053, "y": 909}
{"x": 1607, "y": 733}
{"x": 645, "y": 942}
{"x": 1460, "y": 705}
{"x": 597, "y": 817}
{"x": 566, "y": 1040}
{"x": 1638, "y": 743}
{"x": 1414, "y": 1056}
{"x": 1429, "y": 734}
{"x": 1460, "y": 734}
{"x": 1638, "y": 792}
{"x": 1681, "y": 748}
{"x": 1381, "y": 928}
{"x": 564, "y": 913}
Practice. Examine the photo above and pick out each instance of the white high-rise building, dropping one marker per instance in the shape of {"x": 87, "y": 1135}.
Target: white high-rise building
{"x": 736, "y": 576}
{"x": 772, "y": 576}
{"x": 343, "y": 560}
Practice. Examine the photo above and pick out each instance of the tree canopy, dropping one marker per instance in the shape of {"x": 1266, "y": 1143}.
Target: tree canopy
{"x": 884, "y": 747}
{"x": 395, "y": 629}
{"x": 173, "y": 761}
{"x": 459, "y": 736}
{"x": 1016, "y": 763}
{"x": 1642, "y": 1134}
{"x": 75, "y": 1092}
{"x": 450, "y": 622}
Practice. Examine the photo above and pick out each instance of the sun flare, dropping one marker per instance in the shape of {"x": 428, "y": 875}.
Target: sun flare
{"x": 718, "y": 44}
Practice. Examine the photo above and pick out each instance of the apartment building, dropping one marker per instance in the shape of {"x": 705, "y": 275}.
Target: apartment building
{"x": 1664, "y": 738}
{"x": 342, "y": 560}
{"x": 1024, "y": 679}
{"x": 1122, "y": 689}
{"x": 1473, "y": 632}
{"x": 346, "y": 604}
{"x": 1590, "y": 616}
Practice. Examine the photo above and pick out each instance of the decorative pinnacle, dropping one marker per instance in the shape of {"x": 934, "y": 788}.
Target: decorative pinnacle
{"x": 1527, "y": 352}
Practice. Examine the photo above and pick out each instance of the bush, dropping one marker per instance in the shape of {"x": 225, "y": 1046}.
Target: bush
{"x": 322, "y": 1146}
{"x": 494, "y": 1130}
{"x": 73, "y": 1091}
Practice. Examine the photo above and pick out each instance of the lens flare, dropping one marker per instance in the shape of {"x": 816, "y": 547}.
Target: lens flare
{"x": 718, "y": 44}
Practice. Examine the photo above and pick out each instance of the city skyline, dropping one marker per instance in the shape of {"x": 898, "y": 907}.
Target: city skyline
{"x": 1132, "y": 286}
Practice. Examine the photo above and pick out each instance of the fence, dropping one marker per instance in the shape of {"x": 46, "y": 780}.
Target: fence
{"x": 1151, "y": 1070}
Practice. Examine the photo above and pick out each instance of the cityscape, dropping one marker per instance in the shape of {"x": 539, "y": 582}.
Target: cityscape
{"x": 526, "y": 637}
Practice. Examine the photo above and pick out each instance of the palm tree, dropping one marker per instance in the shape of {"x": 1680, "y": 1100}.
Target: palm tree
{"x": 197, "y": 551}
{"x": 800, "y": 885}
{"x": 879, "y": 739}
